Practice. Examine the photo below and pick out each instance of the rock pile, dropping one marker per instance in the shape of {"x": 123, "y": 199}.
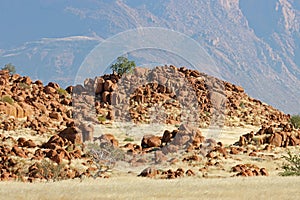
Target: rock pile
{"x": 249, "y": 170}
{"x": 184, "y": 138}
{"x": 151, "y": 172}
{"x": 41, "y": 107}
{"x": 281, "y": 135}
{"x": 174, "y": 96}
{"x": 27, "y": 160}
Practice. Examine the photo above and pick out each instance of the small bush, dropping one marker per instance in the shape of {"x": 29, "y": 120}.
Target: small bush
{"x": 292, "y": 168}
{"x": 7, "y": 99}
{"x": 51, "y": 171}
{"x": 242, "y": 105}
{"x": 104, "y": 156}
{"x": 62, "y": 92}
{"x": 295, "y": 120}
{"x": 11, "y": 68}
{"x": 24, "y": 86}
{"x": 101, "y": 118}
{"x": 128, "y": 139}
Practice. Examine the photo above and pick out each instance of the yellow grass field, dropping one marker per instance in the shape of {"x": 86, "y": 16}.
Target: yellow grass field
{"x": 144, "y": 188}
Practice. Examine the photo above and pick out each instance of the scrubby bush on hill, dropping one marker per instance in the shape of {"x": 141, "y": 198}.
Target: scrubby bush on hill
{"x": 123, "y": 65}
{"x": 10, "y": 67}
{"x": 292, "y": 168}
{"x": 295, "y": 120}
{"x": 7, "y": 99}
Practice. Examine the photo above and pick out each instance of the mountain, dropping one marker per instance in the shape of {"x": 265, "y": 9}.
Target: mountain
{"x": 253, "y": 43}
{"x": 51, "y": 59}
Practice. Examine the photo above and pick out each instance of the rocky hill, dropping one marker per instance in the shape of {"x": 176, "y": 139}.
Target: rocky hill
{"x": 173, "y": 92}
{"x": 48, "y": 132}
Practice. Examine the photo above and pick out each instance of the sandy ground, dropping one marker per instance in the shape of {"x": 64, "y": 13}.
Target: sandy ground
{"x": 122, "y": 185}
{"x": 144, "y": 188}
{"x": 228, "y": 135}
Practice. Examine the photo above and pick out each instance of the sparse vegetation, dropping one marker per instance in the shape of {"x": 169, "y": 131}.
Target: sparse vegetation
{"x": 292, "y": 168}
{"x": 295, "y": 120}
{"x": 128, "y": 139}
{"x": 123, "y": 65}
{"x": 7, "y": 99}
{"x": 51, "y": 171}
{"x": 62, "y": 92}
{"x": 101, "y": 118}
{"x": 242, "y": 105}
{"x": 10, "y": 67}
{"x": 104, "y": 156}
{"x": 24, "y": 86}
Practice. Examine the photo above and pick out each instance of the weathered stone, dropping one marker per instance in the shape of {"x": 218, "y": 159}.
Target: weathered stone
{"x": 150, "y": 141}
{"x": 56, "y": 116}
{"x": 72, "y": 134}
{"x": 276, "y": 139}
{"x": 149, "y": 172}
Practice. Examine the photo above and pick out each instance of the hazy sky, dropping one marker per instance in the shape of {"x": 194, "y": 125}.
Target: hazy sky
{"x": 23, "y": 21}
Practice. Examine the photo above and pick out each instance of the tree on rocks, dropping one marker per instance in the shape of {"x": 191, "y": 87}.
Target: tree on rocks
{"x": 10, "y": 67}
{"x": 123, "y": 65}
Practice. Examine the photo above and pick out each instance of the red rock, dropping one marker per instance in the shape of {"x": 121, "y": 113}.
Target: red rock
{"x": 99, "y": 85}
{"x": 49, "y": 90}
{"x": 249, "y": 172}
{"x": 58, "y": 157}
{"x": 56, "y": 116}
{"x": 149, "y": 172}
{"x": 70, "y": 89}
{"x": 72, "y": 134}
{"x": 264, "y": 172}
{"x": 238, "y": 88}
{"x": 38, "y": 154}
{"x": 40, "y": 107}
{"x": 29, "y": 144}
{"x": 237, "y": 168}
{"x": 108, "y": 85}
{"x": 294, "y": 141}
{"x": 234, "y": 151}
{"x": 179, "y": 173}
{"x": 109, "y": 138}
{"x": 190, "y": 172}
{"x": 21, "y": 141}
{"x": 253, "y": 153}
{"x": 150, "y": 141}
{"x": 106, "y": 97}
{"x": 18, "y": 151}
{"x": 276, "y": 139}
{"x": 26, "y": 80}
{"x": 53, "y": 85}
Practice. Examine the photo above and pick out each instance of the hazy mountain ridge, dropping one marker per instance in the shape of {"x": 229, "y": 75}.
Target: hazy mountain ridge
{"x": 263, "y": 58}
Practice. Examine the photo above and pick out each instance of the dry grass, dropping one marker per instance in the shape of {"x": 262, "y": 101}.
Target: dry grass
{"x": 143, "y": 188}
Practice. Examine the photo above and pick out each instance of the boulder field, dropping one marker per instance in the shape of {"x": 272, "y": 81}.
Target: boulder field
{"x": 48, "y": 131}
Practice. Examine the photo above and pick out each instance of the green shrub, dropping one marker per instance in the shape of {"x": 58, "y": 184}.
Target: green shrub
{"x": 123, "y": 65}
{"x": 292, "y": 168}
{"x": 101, "y": 118}
{"x": 7, "y": 99}
{"x": 242, "y": 105}
{"x": 24, "y": 86}
{"x": 51, "y": 171}
{"x": 11, "y": 68}
{"x": 128, "y": 139}
{"x": 295, "y": 120}
{"x": 62, "y": 92}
